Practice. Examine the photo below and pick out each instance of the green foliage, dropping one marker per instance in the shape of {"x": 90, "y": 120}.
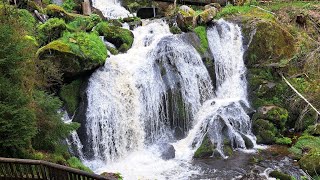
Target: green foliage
{"x": 283, "y": 141}
{"x": 51, "y": 30}
{"x": 311, "y": 162}
{"x": 76, "y": 163}
{"x": 27, "y": 20}
{"x": 69, "y": 5}
{"x": 231, "y": 10}
{"x": 84, "y": 23}
{"x": 51, "y": 129}
{"x": 116, "y": 35}
{"x": 17, "y": 118}
{"x": 70, "y": 94}
{"x": 202, "y": 34}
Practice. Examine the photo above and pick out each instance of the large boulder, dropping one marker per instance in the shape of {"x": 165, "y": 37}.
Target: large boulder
{"x": 276, "y": 115}
{"x": 270, "y": 43}
{"x": 264, "y": 131}
{"x": 75, "y": 53}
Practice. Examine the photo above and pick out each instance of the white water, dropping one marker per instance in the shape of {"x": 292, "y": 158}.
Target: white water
{"x": 138, "y": 100}
{"x": 111, "y": 9}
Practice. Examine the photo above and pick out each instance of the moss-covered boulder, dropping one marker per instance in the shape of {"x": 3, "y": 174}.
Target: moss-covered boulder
{"x": 51, "y": 30}
{"x": 265, "y": 131}
{"x": 83, "y": 23}
{"x": 120, "y": 37}
{"x": 311, "y": 162}
{"x": 276, "y": 115}
{"x": 206, "y": 149}
{"x": 271, "y": 43}
{"x": 54, "y": 10}
{"x": 75, "y": 53}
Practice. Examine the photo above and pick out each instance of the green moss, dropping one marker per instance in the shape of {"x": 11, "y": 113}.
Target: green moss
{"x": 283, "y": 141}
{"x": 202, "y": 34}
{"x": 84, "y": 23}
{"x": 69, "y": 5}
{"x": 270, "y": 44}
{"x": 231, "y": 10}
{"x": 113, "y": 51}
{"x": 175, "y": 30}
{"x": 311, "y": 162}
{"x": 70, "y": 94}
{"x": 280, "y": 175}
{"x": 75, "y": 52}
{"x": 76, "y": 163}
{"x": 205, "y": 150}
{"x": 305, "y": 142}
{"x": 27, "y": 20}
{"x": 265, "y": 131}
{"x": 54, "y": 10}
{"x": 121, "y": 38}
{"x": 51, "y": 30}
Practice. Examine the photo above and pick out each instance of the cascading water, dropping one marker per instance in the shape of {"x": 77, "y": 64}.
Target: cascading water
{"x": 159, "y": 92}
{"x": 111, "y": 9}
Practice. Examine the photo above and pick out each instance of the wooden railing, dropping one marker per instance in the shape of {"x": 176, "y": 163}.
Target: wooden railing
{"x": 36, "y": 169}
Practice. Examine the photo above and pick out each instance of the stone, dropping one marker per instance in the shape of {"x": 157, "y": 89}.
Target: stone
{"x": 167, "y": 151}
{"x": 86, "y": 8}
{"x": 211, "y": 5}
{"x": 207, "y": 15}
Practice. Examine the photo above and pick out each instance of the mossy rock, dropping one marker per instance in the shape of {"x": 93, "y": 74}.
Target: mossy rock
{"x": 304, "y": 143}
{"x": 270, "y": 43}
{"x": 84, "y": 23}
{"x": 54, "y": 10}
{"x": 51, "y": 30}
{"x": 120, "y": 37}
{"x": 70, "y": 95}
{"x": 206, "y": 149}
{"x": 277, "y": 115}
{"x": 207, "y": 16}
{"x": 75, "y": 53}
{"x": 201, "y": 31}
{"x": 265, "y": 131}
{"x": 280, "y": 175}
{"x": 311, "y": 162}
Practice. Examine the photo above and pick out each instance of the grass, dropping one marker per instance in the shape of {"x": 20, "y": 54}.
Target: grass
{"x": 202, "y": 33}
{"x": 76, "y": 163}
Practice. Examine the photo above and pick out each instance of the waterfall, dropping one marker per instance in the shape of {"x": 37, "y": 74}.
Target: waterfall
{"x": 133, "y": 101}
{"x": 111, "y": 9}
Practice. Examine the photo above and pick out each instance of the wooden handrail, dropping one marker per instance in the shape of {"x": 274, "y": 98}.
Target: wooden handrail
{"x": 36, "y": 169}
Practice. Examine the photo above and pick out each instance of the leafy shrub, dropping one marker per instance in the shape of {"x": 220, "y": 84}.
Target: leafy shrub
{"x": 76, "y": 163}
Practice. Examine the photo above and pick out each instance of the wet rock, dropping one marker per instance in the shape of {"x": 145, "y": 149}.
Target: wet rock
{"x": 206, "y": 149}
{"x": 167, "y": 151}
{"x": 247, "y": 141}
{"x": 280, "y": 175}
{"x": 147, "y": 12}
